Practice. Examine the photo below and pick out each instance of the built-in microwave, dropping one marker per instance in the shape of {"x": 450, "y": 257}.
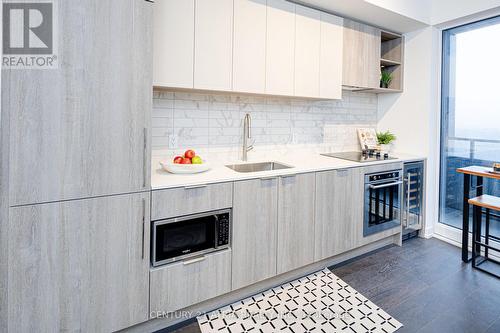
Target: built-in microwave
{"x": 189, "y": 236}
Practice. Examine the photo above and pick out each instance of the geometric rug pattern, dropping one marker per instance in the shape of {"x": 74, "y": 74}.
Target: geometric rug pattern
{"x": 320, "y": 302}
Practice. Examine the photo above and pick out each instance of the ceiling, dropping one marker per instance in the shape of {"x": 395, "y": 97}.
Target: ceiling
{"x": 403, "y": 15}
{"x": 368, "y": 12}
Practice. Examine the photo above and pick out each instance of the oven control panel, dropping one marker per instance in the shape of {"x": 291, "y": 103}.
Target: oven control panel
{"x": 384, "y": 176}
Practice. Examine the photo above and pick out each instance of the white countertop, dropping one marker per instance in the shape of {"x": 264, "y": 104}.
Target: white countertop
{"x": 302, "y": 163}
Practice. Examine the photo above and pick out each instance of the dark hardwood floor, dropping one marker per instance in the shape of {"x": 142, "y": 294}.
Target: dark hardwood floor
{"x": 425, "y": 286}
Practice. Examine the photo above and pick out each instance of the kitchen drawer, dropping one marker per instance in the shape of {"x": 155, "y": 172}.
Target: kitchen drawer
{"x": 191, "y": 200}
{"x": 179, "y": 285}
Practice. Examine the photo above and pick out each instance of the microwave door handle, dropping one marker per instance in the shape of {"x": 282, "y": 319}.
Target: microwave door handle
{"x": 376, "y": 187}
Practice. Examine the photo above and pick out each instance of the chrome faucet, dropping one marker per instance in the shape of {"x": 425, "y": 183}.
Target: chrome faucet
{"x": 246, "y": 136}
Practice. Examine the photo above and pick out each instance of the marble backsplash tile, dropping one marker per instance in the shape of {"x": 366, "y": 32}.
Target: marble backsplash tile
{"x": 214, "y": 121}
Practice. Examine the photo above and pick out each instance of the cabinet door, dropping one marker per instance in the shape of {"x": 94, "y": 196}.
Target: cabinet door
{"x": 339, "y": 211}
{"x": 295, "y": 221}
{"x": 361, "y": 55}
{"x": 213, "y": 46}
{"x": 307, "y": 51}
{"x": 191, "y": 281}
{"x": 255, "y": 219}
{"x": 249, "y": 53}
{"x": 188, "y": 200}
{"x": 79, "y": 265}
{"x": 173, "y": 43}
{"x": 331, "y": 53}
{"x": 80, "y": 130}
{"x": 280, "y": 44}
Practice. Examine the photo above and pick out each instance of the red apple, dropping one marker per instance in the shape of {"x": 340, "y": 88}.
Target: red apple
{"x": 186, "y": 160}
{"x": 189, "y": 153}
{"x": 178, "y": 159}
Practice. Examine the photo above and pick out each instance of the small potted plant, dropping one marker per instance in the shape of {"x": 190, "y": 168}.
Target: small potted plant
{"x": 385, "y": 140}
{"x": 385, "y": 79}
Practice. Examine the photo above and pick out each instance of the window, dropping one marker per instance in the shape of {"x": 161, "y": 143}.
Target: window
{"x": 470, "y": 112}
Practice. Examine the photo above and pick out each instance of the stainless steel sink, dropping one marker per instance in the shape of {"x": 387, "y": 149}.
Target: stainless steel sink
{"x": 256, "y": 167}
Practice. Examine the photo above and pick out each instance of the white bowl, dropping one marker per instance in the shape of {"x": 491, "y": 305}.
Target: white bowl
{"x": 184, "y": 168}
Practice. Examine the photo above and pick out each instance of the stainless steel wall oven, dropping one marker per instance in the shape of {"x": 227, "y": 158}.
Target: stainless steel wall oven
{"x": 382, "y": 201}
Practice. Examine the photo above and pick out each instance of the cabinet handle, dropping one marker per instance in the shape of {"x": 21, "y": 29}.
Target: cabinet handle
{"x": 342, "y": 172}
{"x": 268, "y": 178}
{"x": 143, "y": 227}
{"x": 144, "y": 156}
{"x": 288, "y": 176}
{"x": 195, "y": 187}
{"x": 408, "y": 188}
{"x": 193, "y": 261}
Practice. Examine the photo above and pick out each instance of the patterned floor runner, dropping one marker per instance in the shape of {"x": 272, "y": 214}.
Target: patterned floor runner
{"x": 320, "y": 302}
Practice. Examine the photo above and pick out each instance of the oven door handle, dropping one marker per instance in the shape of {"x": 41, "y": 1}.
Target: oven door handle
{"x": 375, "y": 187}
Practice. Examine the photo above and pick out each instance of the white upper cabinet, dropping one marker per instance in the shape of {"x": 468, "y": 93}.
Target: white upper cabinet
{"x": 213, "y": 45}
{"x": 173, "y": 43}
{"x": 331, "y": 52}
{"x": 307, "y": 51}
{"x": 280, "y": 47}
{"x": 249, "y": 53}
{"x": 272, "y": 47}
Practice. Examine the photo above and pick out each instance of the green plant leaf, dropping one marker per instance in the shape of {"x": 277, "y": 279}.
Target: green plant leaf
{"x": 384, "y": 138}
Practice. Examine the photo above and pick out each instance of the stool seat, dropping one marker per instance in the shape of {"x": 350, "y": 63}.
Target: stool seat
{"x": 480, "y": 203}
{"x": 486, "y": 201}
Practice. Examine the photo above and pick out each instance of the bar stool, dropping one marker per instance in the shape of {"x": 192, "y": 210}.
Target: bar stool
{"x": 488, "y": 202}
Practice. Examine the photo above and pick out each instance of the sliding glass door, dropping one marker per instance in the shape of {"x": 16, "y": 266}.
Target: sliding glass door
{"x": 470, "y": 120}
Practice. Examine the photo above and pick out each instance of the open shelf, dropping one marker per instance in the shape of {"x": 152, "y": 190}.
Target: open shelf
{"x": 386, "y": 62}
{"x": 386, "y": 90}
{"x": 391, "y": 59}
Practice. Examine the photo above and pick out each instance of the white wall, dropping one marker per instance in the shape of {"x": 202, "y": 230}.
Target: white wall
{"x": 413, "y": 115}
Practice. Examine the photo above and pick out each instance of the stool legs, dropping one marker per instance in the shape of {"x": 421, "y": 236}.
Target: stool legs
{"x": 474, "y": 234}
{"x": 487, "y": 232}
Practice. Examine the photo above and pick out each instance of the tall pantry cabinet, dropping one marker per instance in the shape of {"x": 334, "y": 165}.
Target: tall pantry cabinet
{"x": 75, "y": 244}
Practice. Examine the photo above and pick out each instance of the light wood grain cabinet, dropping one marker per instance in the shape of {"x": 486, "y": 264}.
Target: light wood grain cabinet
{"x": 178, "y": 285}
{"x": 280, "y": 47}
{"x": 79, "y": 265}
{"x": 361, "y": 60}
{"x": 331, "y": 55}
{"x": 339, "y": 211}
{"x": 295, "y": 221}
{"x": 81, "y": 130}
{"x": 173, "y": 53}
{"x": 191, "y": 200}
{"x": 249, "y": 46}
{"x": 255, "y": 214}
{"x": 213, "y": 45}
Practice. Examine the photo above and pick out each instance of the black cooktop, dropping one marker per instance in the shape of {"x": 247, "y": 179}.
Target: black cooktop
{"x": 361, "y": 157}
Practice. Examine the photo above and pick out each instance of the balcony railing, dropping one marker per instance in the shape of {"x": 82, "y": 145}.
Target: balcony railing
{"x": 472, "y": 148}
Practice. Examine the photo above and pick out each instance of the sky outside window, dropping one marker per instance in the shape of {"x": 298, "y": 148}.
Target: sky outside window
{"x": 477, "y": 108}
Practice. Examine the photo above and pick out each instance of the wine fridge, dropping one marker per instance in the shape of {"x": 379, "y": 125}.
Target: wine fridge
{"x": 413, "y": 198}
